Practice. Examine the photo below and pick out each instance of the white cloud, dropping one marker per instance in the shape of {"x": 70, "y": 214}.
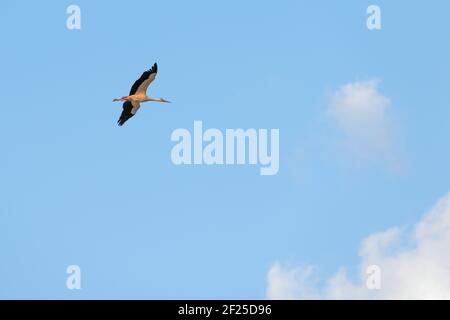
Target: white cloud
{"x": 414, "y": 265}
{"x": 361, "y": 112}
{"x": 291, "y": 282}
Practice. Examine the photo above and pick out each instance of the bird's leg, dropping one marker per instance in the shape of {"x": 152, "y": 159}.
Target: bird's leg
{"x": 163, "y": 100}
{"x": 156, "y": 100}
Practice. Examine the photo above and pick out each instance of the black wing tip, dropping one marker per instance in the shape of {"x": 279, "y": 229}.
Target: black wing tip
{"x": 154, "y": 68}
{"x": 122, "y": 120}
{"x": 126, "y": 113}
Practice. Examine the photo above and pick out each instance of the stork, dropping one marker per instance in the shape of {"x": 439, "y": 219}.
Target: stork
{"x": 138, "y": 94}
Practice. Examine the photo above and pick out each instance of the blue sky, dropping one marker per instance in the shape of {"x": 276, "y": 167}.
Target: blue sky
{"x": 77, "y": 189}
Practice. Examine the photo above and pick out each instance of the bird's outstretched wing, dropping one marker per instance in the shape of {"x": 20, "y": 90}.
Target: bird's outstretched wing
{"x": 141, "y": 84}
{"x": 129, "y": 110}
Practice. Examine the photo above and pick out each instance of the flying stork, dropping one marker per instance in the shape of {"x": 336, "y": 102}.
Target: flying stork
{"x": 138, "y": 94}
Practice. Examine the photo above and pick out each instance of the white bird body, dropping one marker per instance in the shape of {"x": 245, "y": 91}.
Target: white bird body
{"x": 139, "y": 97}
{"x": 138, "y": 94}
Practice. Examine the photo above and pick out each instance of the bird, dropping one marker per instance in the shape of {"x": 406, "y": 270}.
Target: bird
{"x": 138, "y": 94}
